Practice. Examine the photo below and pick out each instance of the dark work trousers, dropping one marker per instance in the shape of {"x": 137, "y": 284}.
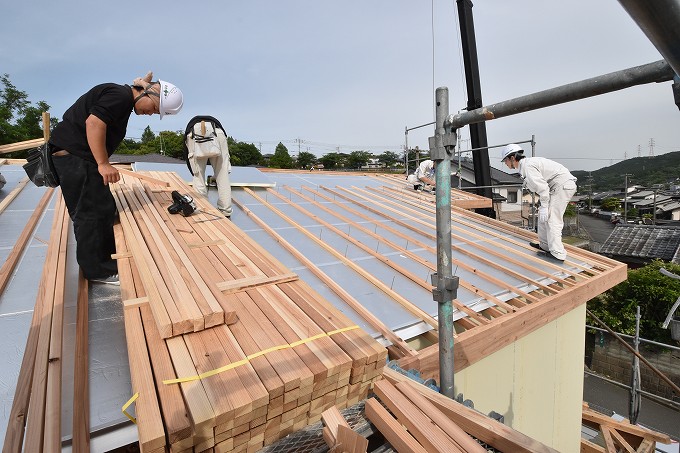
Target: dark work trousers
{"x": 92, "y": 210}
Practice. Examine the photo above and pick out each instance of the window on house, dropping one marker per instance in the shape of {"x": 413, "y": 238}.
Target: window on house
{"x": 512, "y": 196}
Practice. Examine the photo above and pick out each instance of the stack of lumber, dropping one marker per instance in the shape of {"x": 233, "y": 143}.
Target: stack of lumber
{"x": 277, "y": 358}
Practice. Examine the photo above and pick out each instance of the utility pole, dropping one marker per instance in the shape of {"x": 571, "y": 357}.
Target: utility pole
{"x": 590, "y": 192}
{"x": 654, "y": 207}
{"x": 625, "y": 200}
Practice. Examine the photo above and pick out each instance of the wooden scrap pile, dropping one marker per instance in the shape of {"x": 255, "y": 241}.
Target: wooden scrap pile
{"x": 251, "y": 352}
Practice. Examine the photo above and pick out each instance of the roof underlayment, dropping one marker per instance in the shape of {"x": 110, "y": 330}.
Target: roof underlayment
{"x": 370, "y": 234}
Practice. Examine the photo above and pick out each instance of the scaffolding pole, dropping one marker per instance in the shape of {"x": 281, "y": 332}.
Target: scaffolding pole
{"x": 659, "y": 71}
{"x": 442, "y": 149}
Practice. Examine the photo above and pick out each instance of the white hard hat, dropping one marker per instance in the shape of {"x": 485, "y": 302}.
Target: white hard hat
{"x": 171, "y": 99}
{"x": 512, "y": 148}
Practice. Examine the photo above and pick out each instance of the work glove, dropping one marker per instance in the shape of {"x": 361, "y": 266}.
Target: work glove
{"x": 543, "y": 214}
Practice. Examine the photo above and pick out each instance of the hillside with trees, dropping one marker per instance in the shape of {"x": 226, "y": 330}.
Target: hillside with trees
{"x": 645, "y": 171}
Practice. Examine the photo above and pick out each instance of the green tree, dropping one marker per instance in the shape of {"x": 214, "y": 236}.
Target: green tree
{"x": 330, "y": 160}
{"x": 611, "y": 204}
{"x": 305, "y": 159}
{"x": 148, "y": 135}
{"x": 128, "y": 146}
{"x": 570, "y": 211}
{"x": 281, "y": 157}
{"x": 243, "y": 154}
{"x": 358, "y": 159}
{"x": 19, "y": 119}
{"x": 654, "y": 292}
{"x": 389, "y": 159}
{"x": 170, "y": 143}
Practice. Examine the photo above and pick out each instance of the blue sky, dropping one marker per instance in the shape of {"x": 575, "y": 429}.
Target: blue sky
{"x": 351, "y": 75}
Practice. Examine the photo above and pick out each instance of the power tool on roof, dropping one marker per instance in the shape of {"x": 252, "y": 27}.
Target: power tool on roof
{"x": 183, "y": 204}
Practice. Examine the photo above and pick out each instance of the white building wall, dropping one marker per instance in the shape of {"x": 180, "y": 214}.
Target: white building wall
{"x": 536, "y": 383}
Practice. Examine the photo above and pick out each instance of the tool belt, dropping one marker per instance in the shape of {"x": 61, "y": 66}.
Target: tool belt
{"x": 39, "y": 167}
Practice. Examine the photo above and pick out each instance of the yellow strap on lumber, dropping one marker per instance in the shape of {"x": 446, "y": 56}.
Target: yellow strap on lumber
{"x": 255, "y": 355}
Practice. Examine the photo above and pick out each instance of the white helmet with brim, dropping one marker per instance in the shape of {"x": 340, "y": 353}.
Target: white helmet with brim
{"x": 512, "y": 148}
{"x": 171, "y": 99}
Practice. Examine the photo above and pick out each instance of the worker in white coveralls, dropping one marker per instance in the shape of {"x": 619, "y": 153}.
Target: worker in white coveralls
{"x": 424, "y": 174}
{"x": 554, "y": 185}
{"x": 206, "y": 141}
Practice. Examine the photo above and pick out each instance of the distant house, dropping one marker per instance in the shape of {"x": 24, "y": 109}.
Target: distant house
{"x": 373, "y": 164}
{"x": 637, "y": 245}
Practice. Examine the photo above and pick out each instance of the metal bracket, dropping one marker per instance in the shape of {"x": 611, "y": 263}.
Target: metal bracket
{"x": 449, "y": 290}
{"x": 442, "y": 146}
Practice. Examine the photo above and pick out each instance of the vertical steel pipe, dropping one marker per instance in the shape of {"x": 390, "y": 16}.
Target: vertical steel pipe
{"x": 445, "y": 284}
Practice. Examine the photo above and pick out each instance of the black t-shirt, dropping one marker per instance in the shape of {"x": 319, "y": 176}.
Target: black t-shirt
{"x": 111, "y": 103}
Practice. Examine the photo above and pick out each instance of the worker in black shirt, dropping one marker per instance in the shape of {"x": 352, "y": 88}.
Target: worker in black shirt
{"x": 90, "y": 131}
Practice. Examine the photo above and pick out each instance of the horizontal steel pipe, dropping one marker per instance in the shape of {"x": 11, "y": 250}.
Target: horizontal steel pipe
{"x": 659, "y": 71}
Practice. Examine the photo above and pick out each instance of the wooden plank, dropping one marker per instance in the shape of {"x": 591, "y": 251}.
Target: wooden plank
{"x": 14, "y": 193}
{"x": 610, "y": 447}
{"x": 255, "y": 281}
{"x": 23, "y": 239}
{"x": 430, "y": 436}
{"x": 474, "y": 423}
{"x": 349, "y": 441}
{"x": 36, "y": 415}
{"x": 52, "y": 440}
{"x": 81, "y": 390}
{"x": 143, "y": 177}
{"x": 149, "y": 422}
{"x": 455, "y": 432}
{"x": 195, "y": 245}
{"x": 332, "y": 419}
{"x": 646, "y": 446}
{"x": 20, "y": 146}
{"x": 589, "y": 447}
{"x": 393, "y": 431}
